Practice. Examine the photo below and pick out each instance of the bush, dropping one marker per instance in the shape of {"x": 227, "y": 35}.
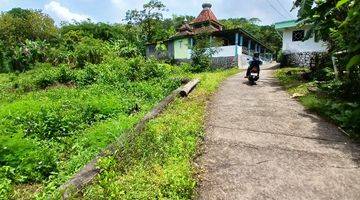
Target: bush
{"x": 45, "y": 78}
{"x": 26, "y": 159}
{"x": 123, "y": 48}
{"x": 202, "y": 53}
{"x": 6, "y": 173}
{"x": 89, "y": 50}
{"x": 323, "y": 74}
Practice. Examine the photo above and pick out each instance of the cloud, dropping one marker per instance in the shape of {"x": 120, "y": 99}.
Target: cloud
{"x": 124, "y": 5}
{"x": 4, "y": 2}
{"x": 64, "y": 13}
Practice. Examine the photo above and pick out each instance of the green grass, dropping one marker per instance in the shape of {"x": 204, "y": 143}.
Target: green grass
{"x": 344, "y": 113}
{"x": 159, "y": 163}
{"x": 48, "y": 133}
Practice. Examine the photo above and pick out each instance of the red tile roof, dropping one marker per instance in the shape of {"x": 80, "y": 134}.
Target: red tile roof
{"x": 185, "y": 27}
{"x": 205, "y": 15}
{"x": 198, "y": 25}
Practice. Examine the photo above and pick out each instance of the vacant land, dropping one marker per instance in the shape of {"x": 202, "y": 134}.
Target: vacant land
{"x": 54, "y": 120}
{"x": 158, "y": 164}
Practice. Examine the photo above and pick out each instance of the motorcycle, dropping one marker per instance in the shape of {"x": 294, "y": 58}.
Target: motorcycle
{"x": 254, "y": 76}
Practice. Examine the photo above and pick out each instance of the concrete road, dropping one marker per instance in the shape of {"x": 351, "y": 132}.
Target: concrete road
{"x": 261, "y": 144}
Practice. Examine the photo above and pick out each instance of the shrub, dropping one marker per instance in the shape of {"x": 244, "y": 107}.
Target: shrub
{"x": 46, "y": 78}
{"x": 25, "y": 159}
{"x": 123, "y": 48}
{"x": 65, "y": 75}
{"x": 89, "y": 50}
{"x": 47, "y": 124}
{"x": 86, "y": 76}
{"x": 6, "y": 174}
{"x": 202, "y": 53}
{"x": 323, "y": 74}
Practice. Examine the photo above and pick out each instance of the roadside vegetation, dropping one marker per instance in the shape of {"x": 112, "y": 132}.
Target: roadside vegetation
{"x": 48, "y": 133}
{"x": 323, "y": 97}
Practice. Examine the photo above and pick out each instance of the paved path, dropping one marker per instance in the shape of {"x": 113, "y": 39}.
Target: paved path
{"x": 261, "y": 144}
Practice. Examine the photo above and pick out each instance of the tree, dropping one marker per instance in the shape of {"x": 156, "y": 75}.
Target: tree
{"x": 254, "y": 20}
{"x": 202, "y": 52}
{"x": 149, "y": 19}
{"x": 336, "y": 22}
{"x": 23, "y": 33}
{"x": 18, "y": 24}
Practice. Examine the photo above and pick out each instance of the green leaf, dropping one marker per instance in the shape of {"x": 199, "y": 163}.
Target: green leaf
{"x": 341, "y": 2}
{"x": 355, "y": 60}
{"x": 305, "y": 8}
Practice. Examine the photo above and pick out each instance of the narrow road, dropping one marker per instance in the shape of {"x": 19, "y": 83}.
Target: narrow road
{"x": 261, "y": 144}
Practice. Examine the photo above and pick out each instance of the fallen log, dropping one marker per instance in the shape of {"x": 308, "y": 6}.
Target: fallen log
{"x": 89, "y": 171}
{"x": 189, "y": 87}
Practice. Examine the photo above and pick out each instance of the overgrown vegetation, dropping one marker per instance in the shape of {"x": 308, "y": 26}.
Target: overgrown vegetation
{"x": 46, "y": 135}
{"x": 323, "y": 98}
{"x": 202, "y": 52}
{"x": 336, "y": 22}
{"x": 158, "y": 164}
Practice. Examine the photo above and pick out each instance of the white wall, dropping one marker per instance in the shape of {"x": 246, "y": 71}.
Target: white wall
{"x": 299, "y": 46}
{"x": 224, "y": 51}
{"x": 244, "y": 61}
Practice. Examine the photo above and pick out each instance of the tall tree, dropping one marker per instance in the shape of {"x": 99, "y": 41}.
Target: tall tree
{"x": 19, "y": 29}
{"x": 149, "y": 19}
{"x": 18, "y": 24}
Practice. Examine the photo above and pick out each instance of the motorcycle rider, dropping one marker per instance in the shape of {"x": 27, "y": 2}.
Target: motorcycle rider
{"x": 254, "y": 63}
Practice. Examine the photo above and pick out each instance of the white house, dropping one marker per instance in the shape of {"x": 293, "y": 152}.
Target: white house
{"x": 296, "y": 51}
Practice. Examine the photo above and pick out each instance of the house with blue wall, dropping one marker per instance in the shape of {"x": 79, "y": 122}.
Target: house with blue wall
{"x": 236, "y": 45}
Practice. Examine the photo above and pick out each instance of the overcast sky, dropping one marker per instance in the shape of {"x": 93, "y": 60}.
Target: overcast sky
{"x": 113, "y": 11}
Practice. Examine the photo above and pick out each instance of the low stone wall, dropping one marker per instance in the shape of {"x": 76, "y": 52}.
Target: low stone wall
{"x": 178, "y": 61}
{"x": 303, "y": 59}
{"x": 224, "y": 62}
{"x": 218, "y": 62}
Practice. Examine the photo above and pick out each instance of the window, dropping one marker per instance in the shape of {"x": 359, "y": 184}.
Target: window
{"x": 298, "y": 35}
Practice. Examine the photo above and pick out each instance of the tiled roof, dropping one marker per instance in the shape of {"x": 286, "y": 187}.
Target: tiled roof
{"x": 205, "y": 15}
{"x": 203, "y": 29}
{"x": 185, "y": 27}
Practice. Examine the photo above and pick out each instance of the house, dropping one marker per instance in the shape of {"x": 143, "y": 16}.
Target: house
{"x": 236, "y": 45}
{"x": 296, "y": 51}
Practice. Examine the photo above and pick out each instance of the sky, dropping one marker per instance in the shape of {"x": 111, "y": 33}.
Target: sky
{"x": 113, "y": 11}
